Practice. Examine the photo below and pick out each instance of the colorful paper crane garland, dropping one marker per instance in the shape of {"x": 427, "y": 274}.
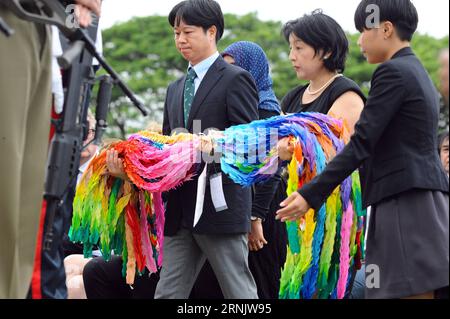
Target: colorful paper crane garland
{"x": 128, "y": 217}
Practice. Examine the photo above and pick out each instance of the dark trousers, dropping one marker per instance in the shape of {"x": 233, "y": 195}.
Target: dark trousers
{"x": 103, "y": 280}
{"x": 49, "y": 276}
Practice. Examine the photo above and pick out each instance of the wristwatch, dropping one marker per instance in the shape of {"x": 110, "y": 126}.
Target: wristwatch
{"x": 254, "y": 218}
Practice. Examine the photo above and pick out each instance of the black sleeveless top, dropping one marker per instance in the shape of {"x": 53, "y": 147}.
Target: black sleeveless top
{"x": 292, "y": 102}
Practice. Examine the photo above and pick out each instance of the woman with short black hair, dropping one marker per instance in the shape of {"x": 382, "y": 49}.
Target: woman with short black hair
{"x": 324, "y": 35}
{"x": 400, "y": 13}
{"x": 395, "y": 141}
{"x": 318, "y": 51}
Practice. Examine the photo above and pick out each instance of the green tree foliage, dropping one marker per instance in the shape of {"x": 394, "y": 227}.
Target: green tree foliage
{"x": 142, "y": 50}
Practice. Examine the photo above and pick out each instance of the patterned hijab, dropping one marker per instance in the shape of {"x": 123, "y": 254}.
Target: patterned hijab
{"x": 251, "y": 57}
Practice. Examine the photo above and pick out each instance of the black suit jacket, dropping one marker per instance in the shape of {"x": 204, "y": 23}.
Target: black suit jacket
{"x": 227, "y": 96}
{"x": 395, "y": 138}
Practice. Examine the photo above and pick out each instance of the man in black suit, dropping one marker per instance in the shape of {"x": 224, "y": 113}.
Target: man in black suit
{"x": 213, "y": 94}
{"x": 395, "y": 141}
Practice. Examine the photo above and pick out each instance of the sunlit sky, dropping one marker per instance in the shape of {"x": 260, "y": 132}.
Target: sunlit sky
{"x": 433, "y": 14}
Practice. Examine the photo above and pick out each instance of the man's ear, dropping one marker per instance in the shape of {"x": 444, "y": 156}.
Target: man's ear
{"x": 212, "y": 31}
{"x": 388, "y": 29}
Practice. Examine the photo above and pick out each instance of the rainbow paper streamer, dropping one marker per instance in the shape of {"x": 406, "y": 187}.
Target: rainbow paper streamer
{"x": 324, "y": 246}
{"x": 128, "y": 218}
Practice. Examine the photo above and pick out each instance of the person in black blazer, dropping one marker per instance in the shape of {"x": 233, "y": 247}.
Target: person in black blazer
{"x": 395, "y": 141}
{"x": 225, "y": 95}
{"x": 213, "y": 95}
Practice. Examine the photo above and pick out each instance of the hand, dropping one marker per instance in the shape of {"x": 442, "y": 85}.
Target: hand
{"x": 285, "y": 149}
{"x": 114, "y": 165}
{"x": 215, "y": 134}
{"x": 256, "y": 240}
{"x": 294, "y": 207}
{"x": 206, "y": 144}
{"x": 91, "y": 5}
{"x": 83, "y": 15}
{"x": 208, "y": 141}
{"x": 83, "y": 11}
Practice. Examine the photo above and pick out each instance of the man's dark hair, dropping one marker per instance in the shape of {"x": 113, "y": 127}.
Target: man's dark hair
{"x": 200, "y": 13}
{"x": 401, "y": 13}
{"x": 322, "y": 33}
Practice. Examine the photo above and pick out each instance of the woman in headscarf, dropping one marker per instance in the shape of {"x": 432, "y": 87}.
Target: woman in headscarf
{"x": 251, "y": 57}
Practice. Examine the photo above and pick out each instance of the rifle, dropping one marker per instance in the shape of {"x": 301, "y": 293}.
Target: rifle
{"x": 71, "y": 129}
